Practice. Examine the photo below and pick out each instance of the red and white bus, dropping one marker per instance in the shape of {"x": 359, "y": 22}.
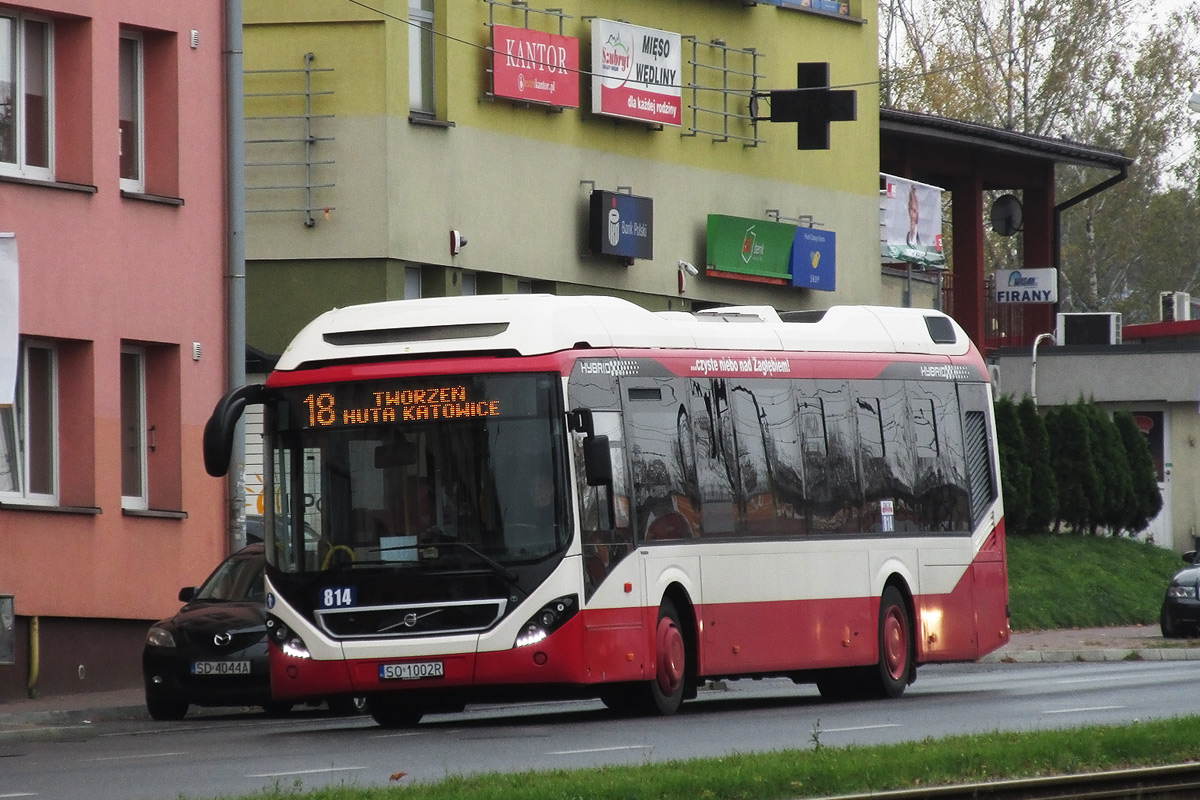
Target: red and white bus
{"x": 488, "y": 497}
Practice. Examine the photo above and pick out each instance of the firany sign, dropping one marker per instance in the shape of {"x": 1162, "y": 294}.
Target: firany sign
{"x": 1026, "y": 285}
{"x": 636, "y": 73}
{"x": 535, "y": 67}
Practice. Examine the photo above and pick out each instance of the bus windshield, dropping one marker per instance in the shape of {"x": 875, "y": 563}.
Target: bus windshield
{"x": 449, "y": 473}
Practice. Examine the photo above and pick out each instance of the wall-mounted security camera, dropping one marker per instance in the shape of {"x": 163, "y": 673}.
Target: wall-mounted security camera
{"x": 688, "y": 267}
{"x": 457, "y": 242}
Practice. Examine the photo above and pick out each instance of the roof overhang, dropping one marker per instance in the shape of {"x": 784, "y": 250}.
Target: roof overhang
{"x": 987, "y": 141}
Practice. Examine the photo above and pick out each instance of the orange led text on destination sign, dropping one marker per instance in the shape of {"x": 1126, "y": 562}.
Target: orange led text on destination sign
{"x": 407, "y": 405}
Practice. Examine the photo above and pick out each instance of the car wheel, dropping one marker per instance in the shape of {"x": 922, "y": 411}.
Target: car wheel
{"x": 166, "y": 709}
{"x": 1170, "y": 629}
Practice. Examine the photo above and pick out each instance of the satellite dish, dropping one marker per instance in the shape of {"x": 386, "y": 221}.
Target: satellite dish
{"x": 1006, "y": 215}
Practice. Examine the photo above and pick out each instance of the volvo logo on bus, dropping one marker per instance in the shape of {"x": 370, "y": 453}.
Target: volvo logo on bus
{"x": 411, "y": 619}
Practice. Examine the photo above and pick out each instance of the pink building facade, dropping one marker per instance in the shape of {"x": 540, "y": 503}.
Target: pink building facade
{"x": 112, "y": 184}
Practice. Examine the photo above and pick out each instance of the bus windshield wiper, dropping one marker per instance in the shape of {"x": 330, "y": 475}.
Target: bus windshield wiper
{"x": 496, "y": 566}
{"x": 491, "y": 563}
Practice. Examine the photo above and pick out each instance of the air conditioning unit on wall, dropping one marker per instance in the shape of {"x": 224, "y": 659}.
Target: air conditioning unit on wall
{"x": 1102, "y": 327}
{"x": 1174, "y": 306}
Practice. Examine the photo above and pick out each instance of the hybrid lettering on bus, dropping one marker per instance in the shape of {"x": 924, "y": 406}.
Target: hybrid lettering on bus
{"x": 481, "y": 498}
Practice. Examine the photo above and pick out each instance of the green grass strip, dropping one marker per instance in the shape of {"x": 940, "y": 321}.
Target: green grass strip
{"x": 819, "y": 771}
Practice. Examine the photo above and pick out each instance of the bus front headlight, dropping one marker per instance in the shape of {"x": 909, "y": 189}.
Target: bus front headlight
{"x": 547, "y": 620}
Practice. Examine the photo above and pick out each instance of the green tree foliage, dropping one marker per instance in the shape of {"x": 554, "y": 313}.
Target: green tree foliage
{"x": 1014, "y": 466}
{"x": 1147, "y": 498}
{"x": 1074, "y": 462}
{"x": 1109, "y": 73}
{"x": 1115, "y": 494}
{"x": 1043, "y": 486}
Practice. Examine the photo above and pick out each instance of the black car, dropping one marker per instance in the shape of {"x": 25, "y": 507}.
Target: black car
{"x": 1181, "y": 607}
{"x": 214, "y": 651}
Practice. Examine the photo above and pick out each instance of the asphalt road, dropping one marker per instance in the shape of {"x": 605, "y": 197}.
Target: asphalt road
{"x": 239, "y": 754}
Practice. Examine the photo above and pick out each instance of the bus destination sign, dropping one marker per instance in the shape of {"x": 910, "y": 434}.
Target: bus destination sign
{"x": 383, "y": 406}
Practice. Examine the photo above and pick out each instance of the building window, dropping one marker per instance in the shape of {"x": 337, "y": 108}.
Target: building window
{"x": 133, "y": 428}
{"x": 29, "y": 429}
{"x": 132, "y": 126}
{"x": 420, "y": 58}
{"x": 26, "y": 96}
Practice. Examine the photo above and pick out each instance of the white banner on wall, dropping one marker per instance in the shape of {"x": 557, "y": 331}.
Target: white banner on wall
{"x": 636, "y": 73}
{"x": 10, "y": 303}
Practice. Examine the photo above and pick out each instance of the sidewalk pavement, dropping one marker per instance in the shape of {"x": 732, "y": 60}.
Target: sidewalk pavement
{"x": 71, "y": 717}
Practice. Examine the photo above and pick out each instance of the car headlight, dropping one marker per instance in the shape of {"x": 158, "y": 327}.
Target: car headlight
{"x": 159, "y": 637}
{"x": 1180, "y": 592}
{"x": 290, "y": 643}
{"x": 547, "y": 620}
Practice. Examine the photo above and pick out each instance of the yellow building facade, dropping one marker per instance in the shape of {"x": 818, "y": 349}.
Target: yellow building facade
{"x": 376, "y": 130}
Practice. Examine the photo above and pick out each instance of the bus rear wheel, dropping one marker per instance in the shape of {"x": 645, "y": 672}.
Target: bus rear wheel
{"x": 670, "y": 658}
{"x": 896, "y": 650}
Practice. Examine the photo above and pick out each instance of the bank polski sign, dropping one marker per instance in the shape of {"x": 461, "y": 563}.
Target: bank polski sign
{"x": 1026, "y": 285}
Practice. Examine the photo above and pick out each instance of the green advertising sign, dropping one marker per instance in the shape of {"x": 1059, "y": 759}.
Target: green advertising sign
{"x": 756, "y": 247}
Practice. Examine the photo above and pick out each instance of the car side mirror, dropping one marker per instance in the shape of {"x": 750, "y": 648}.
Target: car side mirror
{"x": 186, "y": 594}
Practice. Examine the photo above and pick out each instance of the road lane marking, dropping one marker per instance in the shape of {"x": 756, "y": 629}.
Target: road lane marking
{"x": 860, "y": 728}
{"x": 131, "y": 758}
{"x": 599, "y": 750}
{"x": 305, "y": 772}
{"x": 1082, "y": 710}
{"x": 20, "y": 794}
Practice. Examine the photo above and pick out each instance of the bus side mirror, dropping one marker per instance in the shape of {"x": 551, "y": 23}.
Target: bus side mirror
{"x": 597, "y": 461}
{"x": 219, "y": 430}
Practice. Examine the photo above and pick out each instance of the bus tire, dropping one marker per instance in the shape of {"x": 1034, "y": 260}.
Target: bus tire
{"x": 896, "y": 649}
{"x": 394, "y": 712}
{"x": 669, "y": 683}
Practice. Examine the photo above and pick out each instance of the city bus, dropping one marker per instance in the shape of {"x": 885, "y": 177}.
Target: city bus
{"x": 485, "y": 498}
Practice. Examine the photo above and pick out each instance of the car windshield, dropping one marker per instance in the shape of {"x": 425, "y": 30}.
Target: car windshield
{"x": 238, "y": 579}
{"x": 465, "y": 472}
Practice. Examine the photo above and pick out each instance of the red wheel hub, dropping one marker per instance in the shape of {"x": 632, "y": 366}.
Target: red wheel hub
{"x": 670, "y": 655}
{"x": 895, "y": 643}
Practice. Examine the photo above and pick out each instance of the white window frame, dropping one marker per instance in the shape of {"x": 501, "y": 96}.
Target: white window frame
{"x": 136, "y": 184}
{"x": 422, "y": 82}
{"x": 20, "y": 80}
{"x": 138, "y": 447}
{"x": 19, "y": 420}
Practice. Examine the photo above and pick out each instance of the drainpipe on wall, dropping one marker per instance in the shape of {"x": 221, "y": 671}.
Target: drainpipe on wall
{"x": 235, "y": 299}
{"x": 35, "y": 657}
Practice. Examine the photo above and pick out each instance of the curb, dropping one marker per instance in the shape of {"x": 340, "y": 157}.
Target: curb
{"x": 60, "y": 726}
{"x": 1092, "y": 654}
